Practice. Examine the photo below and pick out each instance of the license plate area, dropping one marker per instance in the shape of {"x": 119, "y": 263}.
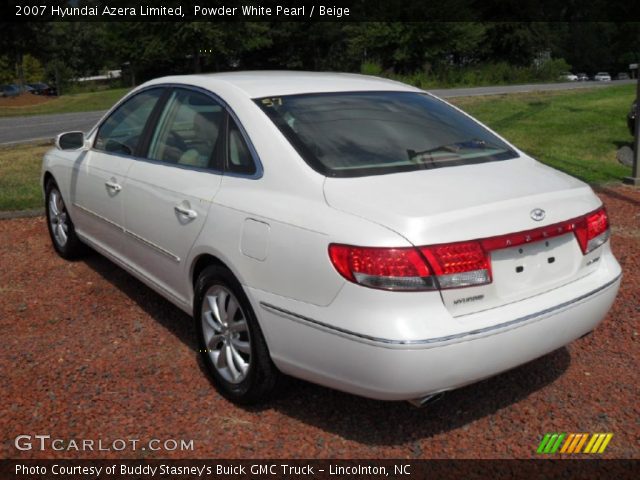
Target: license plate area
{"x": 534, "y": 267}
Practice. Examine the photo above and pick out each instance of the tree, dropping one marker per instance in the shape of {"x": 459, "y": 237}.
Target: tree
{"x": 518, "y": 43}
{"x": 32, "y": 68}
{"x": 19, "y": 39}
{"x": 7, "y": 72}
{"x": 407, "y": 47}
{"x": 591, "y": 46}
{"x": 163, "y": 48}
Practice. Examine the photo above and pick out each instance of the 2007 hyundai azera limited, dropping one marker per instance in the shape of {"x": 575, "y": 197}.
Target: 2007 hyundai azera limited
{"x": 349, "y": 230}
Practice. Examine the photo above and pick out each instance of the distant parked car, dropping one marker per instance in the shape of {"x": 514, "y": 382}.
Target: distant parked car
{"x": 602, "y": 77}
{"x": 631, "y": 117}
{"x": 583, "y": 77}
{"x": 41, "y": 89}
{"x": 622, "y": 76}
{"x": 10, "y": 90}
{"x": 568, "y": 77}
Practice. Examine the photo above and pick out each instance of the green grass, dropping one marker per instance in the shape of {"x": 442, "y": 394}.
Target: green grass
{"x": 577, "y": 131}
{"x": 79, "y": 102}
{"x": 20, "y": 176}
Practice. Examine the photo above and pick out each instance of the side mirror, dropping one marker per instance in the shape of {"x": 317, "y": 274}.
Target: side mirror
{"x": 70, "y": 141}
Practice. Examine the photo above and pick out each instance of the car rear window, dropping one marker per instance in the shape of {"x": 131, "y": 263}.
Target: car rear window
{"x": 371, "y": 133}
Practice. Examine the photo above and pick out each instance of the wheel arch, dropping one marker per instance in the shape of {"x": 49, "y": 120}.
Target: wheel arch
{"x": 46, "y": 178}
{"x": 207, "y": 259}
{"x": 201, "y": 262}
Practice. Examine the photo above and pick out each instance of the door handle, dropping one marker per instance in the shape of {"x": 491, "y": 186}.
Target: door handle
{"x": 113, "y": 186}
{"x": 185, "y": 212}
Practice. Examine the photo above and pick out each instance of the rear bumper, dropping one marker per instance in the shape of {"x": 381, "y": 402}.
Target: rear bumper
{"x": 410, "y": 368}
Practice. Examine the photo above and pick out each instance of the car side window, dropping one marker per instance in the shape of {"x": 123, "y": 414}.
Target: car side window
{"x": 188, "y": 130}
{"x": 121, "y": 132}
{"x": 239, "y": 159}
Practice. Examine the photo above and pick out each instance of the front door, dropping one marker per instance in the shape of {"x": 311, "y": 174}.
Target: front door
{"x": 99, "y": 177}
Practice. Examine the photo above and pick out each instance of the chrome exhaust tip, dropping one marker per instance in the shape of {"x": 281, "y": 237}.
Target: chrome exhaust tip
{"x": 428, "y": 400}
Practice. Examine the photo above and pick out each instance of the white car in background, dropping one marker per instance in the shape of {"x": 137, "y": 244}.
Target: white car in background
{"x": 602, "y": 77}
{"x": 352, "y": 231}
{"x": 568, "y": 77}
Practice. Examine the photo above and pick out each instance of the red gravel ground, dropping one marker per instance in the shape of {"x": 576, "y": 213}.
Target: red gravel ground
{"x": 91, "y": 353}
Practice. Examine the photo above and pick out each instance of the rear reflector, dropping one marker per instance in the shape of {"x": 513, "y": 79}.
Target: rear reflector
{"x": 453, "y": 265}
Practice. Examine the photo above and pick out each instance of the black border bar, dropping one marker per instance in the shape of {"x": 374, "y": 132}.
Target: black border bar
{"x": 335, "y": 10}
{"x": 547, "y": 468}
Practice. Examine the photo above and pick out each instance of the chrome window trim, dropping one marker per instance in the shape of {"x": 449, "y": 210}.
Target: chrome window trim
{"x": 435, "y": 341}
{"x": 254, "y": 154}
{"x": 164, "y": 164}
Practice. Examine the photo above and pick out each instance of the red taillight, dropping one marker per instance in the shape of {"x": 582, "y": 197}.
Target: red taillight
{"x": 456, "y": 257}
{"x": 597, "y": 223}
{"x": 592, "y": 230}
{"x": 387, "y": 268}
{"x": 459, "y": 264}
{"x": 453, "y": 265}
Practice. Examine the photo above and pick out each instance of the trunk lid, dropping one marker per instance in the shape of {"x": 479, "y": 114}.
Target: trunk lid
{"x": 469, "y": 202}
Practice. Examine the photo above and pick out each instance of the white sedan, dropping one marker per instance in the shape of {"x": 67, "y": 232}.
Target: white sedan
{"x": 568, "y": 77}
{"x": 602, "y": 77}
{"x": 352, "y": 231}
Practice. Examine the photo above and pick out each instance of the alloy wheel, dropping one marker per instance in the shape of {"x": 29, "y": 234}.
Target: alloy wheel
{"x": 58, "y": 218}
{"x": 226, "y": 334}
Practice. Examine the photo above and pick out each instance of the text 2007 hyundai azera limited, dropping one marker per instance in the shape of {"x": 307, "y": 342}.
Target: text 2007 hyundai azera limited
{"x": 348, "y": 230}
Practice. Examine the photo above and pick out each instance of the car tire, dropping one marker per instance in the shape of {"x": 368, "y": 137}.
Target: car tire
{"x": 230, "y": 341}
{"x": 61, "y": 229}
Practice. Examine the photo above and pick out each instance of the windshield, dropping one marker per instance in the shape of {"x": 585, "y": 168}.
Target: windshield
{"x": 372, "y": 133}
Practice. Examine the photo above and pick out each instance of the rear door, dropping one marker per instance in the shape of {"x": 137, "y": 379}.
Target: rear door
{"x": 99, "y": 177}
{"x": 169, "y": 193}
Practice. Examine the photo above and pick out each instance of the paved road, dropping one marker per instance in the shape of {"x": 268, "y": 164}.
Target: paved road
{"x": 26, "y": 129}
{"x": 38, "y": 127}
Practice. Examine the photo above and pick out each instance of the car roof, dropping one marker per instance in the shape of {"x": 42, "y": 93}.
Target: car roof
{"x": 256, "y": 84}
